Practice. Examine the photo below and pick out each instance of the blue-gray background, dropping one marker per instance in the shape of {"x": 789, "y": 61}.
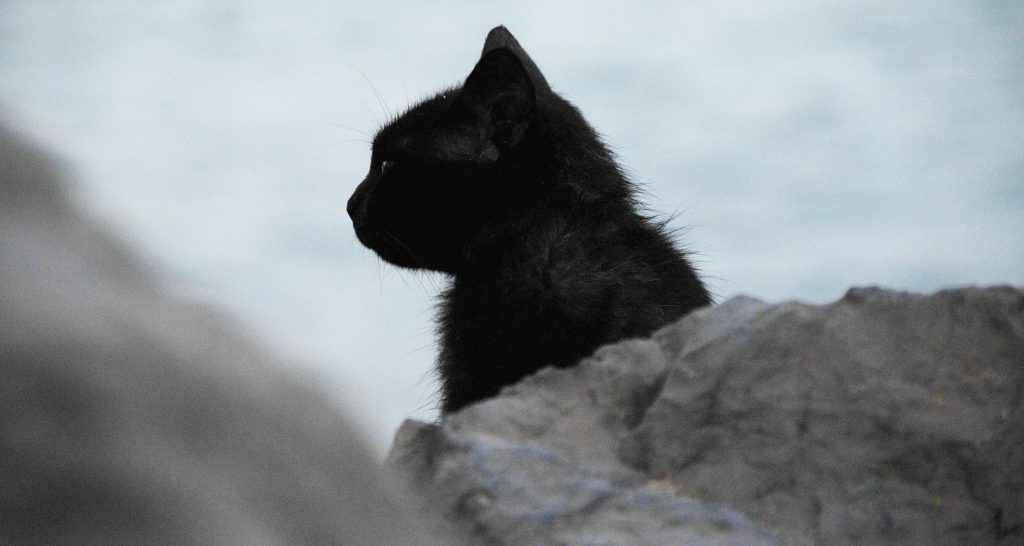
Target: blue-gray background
{"x": 807, "y": 146}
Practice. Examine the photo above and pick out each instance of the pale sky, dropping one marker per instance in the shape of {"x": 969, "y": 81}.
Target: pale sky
{"x": 807, "y": 146}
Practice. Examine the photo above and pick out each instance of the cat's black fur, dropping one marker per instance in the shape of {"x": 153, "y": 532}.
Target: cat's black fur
{"x": 502, "y": 184}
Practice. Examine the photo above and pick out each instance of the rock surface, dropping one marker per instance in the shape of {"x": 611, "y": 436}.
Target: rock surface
{"x": 129, "y": 418}
{"x": 882, "y": 418}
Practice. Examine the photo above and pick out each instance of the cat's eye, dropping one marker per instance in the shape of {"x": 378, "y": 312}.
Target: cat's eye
{"x": 385, "y": 165}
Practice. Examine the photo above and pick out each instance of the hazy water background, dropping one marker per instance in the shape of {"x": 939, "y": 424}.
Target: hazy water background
{"x": 808, "y": 146}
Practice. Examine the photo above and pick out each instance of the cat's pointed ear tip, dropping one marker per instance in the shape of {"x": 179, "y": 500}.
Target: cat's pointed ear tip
{"x": 499, "y": 30}
{"x": 499, "y": 37}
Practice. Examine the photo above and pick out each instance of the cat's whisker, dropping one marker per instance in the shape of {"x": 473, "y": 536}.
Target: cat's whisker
{"x": 405, "y": 281}
{"x": 401, "y": 247}
{"x": 405, "y": 91}
{"x": 380, "y": 280}
{"x": 433, "y": 282}
{"x": 376, "y": 93}
{"x": 417, "y": 349}
{"x": 370, "y": 111}
{"x": 354, "y": 130}
{"x": 419, "y": 282}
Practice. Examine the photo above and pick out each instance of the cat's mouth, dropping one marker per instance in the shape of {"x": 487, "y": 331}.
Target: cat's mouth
{"x": 389, "y": 245}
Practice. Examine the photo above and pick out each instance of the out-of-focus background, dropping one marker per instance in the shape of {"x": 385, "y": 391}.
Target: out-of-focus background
{"x": 806, "y": 146}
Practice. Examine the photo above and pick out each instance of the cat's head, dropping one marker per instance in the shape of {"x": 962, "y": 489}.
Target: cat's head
{"x": 432, "y": 170}
{"x": 457, "y": 160}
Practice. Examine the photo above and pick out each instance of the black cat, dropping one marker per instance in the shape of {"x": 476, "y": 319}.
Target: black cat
{"x": 502, "y": 184}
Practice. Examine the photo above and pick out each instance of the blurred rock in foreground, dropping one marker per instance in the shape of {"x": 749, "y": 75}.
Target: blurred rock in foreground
{"x": 882, "y": 418}
{"x": 128, "y": 418}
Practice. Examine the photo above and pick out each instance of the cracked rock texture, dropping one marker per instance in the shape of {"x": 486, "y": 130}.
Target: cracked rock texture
{"x": 881, "y": 418}
{"x": 129, "y": 418}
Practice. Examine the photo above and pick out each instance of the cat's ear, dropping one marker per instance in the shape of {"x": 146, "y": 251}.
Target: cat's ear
{"x": 500, "y": 38}
{"x": 499, "y": 92}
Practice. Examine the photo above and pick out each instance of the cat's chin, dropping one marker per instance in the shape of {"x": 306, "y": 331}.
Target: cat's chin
{"x": 389, "y": 247}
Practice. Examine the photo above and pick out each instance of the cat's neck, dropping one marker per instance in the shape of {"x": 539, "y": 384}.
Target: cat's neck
{"x": 575, "y": 158}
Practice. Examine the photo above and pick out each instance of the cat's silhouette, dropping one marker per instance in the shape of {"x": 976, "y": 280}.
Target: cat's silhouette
{"x": 502, "y": 184}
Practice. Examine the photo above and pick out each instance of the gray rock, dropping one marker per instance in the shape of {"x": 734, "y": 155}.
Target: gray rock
{"x": 882, "y": 418}
{"x": 129, "y": 418}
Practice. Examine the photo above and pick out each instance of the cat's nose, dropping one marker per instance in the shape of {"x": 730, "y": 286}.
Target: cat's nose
{"x": 355, "y": 203}
{"x": 352, "y": 204}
